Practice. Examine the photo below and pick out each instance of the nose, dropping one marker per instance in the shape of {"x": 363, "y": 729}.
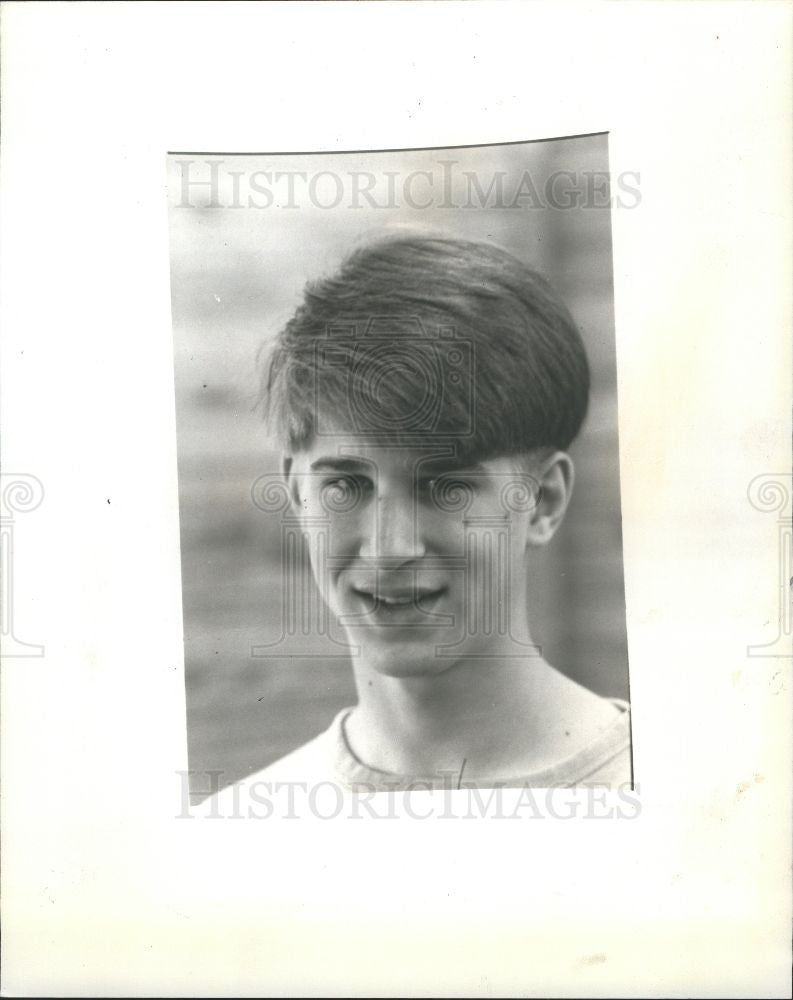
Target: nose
{"x": 395, "y": 531}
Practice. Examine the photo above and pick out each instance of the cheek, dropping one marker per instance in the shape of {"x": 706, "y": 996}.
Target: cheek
{"x": 519, "y": 525}
{"x": 332, "y": 543}
{"x": 494, "y": 548}
{"x": 443, "y": 532}
{"x": 343, "y": 536}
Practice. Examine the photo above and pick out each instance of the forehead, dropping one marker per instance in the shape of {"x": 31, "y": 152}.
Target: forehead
{"x": 436, "y": 458}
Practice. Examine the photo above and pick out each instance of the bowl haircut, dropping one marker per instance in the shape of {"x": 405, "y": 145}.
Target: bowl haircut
{"x": 418, "y": 339}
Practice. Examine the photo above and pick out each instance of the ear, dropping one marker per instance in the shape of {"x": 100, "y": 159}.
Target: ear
{"x": 556, "y": 476}
{"x": 291, "y": 481}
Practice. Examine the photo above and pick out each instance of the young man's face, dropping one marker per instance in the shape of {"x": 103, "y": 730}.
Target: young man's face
{"x": 418, "y": 553}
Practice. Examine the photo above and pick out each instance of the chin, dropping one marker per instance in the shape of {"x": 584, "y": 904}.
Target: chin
{"x": 404, "y": 660}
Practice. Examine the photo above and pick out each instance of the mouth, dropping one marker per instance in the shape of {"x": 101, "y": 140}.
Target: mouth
{"x": 405, "y": 606}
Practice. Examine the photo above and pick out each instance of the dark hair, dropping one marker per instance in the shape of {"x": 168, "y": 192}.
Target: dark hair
{"x": 504, "y": 360}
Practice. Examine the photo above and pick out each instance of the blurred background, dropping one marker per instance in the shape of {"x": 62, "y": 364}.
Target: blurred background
{"x": 237, "y": 271}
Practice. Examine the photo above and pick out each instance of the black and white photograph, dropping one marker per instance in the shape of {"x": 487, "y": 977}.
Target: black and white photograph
{"x": 398, "y": 467}
{"x": 395, "y": 499}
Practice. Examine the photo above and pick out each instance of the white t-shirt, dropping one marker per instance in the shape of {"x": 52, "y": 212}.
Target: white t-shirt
{"x": 328, "y": 758}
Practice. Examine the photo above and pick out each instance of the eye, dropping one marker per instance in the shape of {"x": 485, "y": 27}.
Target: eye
{"x": 345, "y": 482}
{"x": 341, "y": 494}
{"x": 449, "y": 492}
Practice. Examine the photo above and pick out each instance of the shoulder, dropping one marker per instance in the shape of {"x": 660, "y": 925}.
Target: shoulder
{"x": 606, "y": 758}
{"x": 587, "y": 738}
{"x": 310, "y": 764}
{"x": 573, "y": 715}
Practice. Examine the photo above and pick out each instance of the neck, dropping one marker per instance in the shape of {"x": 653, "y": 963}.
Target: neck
{"x": 486, "y": 716}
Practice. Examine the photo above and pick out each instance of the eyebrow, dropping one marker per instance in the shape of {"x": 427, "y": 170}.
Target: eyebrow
{"x": 432, "y": 467}
{"x": 339, "y": 464}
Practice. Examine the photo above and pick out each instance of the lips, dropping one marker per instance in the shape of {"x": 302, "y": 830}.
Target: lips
{"x": 401, "y": 608}
{"x": 400, "y": 598}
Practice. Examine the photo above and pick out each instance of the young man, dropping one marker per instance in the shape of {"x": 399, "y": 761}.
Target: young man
{"x": 424, "y": 397}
